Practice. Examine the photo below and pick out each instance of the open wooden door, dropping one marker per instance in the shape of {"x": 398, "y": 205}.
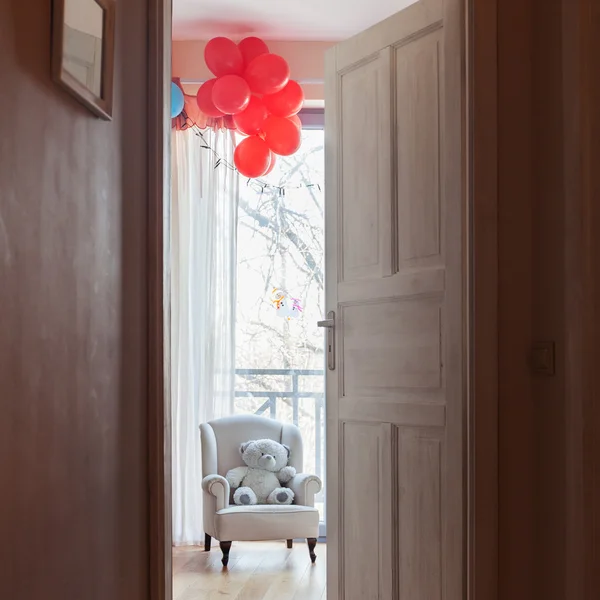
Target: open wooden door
{"x": 396, "y": 283}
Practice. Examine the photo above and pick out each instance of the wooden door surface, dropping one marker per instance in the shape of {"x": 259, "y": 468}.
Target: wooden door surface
{"x": 396, "y": 285}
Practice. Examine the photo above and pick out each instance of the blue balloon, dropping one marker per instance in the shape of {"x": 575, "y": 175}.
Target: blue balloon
{"x": 177, "y": 100}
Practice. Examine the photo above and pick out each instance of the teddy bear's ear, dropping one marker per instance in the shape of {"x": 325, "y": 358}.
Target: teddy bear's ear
{"x": 244, "y": 446}
{"x": 287, "y": 448}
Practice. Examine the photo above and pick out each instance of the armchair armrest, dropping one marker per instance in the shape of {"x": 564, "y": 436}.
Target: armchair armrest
{"x": 217, "y": 486}
{"x": 305, "y": 488}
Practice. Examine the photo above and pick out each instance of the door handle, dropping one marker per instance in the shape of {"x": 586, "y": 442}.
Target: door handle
{"x": 329, "y": 324}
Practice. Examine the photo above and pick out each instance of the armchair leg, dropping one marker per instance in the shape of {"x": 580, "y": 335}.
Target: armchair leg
{"x": 312, "y": 542}
{"x": 290, "y": 543}
{"x": 207, "y": 540}
{"x": 225, "y": 548}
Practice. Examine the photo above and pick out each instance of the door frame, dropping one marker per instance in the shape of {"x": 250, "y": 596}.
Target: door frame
{"x": 482, "y": 250}
{"x": 481, "y": 333}
{"x": 158, "y": 278}
{"x": 581, "y": 128}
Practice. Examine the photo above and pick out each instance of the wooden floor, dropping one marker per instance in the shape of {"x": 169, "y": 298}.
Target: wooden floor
{"x": 256, "y": 571}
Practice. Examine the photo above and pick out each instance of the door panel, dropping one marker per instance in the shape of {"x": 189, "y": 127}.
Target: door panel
{"x": 366, "y": 186}
{"x": 395, "y": 207}
{"x": 418, "y": 150}
{"x": 420, "y": 509}
{"x": 360, "y": 473}
{"x": 366, "y": 537}
{"x": 389, "y": 346}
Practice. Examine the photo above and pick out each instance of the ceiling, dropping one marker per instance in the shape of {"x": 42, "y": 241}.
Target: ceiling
{"x": 295, "y": 20}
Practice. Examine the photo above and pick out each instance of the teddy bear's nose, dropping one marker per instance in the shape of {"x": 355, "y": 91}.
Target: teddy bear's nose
{"x": 268, "y": 456}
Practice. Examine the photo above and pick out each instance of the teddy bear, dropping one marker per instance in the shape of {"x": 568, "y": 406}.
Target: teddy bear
{"x": 260, "y": 482}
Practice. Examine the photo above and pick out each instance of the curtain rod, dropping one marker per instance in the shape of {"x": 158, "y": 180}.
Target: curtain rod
{"x": 300, "y": 81}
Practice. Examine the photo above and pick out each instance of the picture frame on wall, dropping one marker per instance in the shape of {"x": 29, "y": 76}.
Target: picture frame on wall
{"x": 83, "y": 42}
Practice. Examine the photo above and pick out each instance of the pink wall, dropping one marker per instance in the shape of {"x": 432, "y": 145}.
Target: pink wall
{"x": 306, "y": 60}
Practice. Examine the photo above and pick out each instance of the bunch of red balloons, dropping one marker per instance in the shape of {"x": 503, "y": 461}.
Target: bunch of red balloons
{"x": 253, "y": 86}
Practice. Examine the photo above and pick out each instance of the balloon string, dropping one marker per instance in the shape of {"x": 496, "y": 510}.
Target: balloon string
{"x": 258, "y": 184}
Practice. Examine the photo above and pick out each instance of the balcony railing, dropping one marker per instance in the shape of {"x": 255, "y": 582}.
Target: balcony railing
{"x": 291, "y": 381}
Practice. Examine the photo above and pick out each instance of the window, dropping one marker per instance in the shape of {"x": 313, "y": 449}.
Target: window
{"x": 280, "y": 363}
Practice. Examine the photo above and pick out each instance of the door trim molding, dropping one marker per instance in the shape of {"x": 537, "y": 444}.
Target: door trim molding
{"x": 159, "y": 405}
{"x": 581, "y": 126}
{"x": 482, "y": 189}
{"x": 482, "y": 242}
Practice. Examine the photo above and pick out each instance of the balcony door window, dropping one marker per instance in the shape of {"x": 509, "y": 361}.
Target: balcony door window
{"x": 280, "y": 362}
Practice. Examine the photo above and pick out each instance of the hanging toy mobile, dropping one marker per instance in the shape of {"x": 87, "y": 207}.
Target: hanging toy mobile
{"x": 286, "y": 306}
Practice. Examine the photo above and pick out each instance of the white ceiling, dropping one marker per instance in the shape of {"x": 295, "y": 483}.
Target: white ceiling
{"x": 295, "y": 20}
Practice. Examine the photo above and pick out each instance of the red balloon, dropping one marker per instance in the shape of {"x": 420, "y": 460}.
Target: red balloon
{"x": 231, "y": 94}
{"x": 204, "y": 99}
{"x": 250, "y": 121}
{"x": 252, "y": 157}
{"x": 228, "y": 122}
{"x": 295, "y": 119}
{"x": 281, "y": 135}
{"x": 251, "y": 47}
{"x": 285, "y": 102}
{"x": 267, "y": 74}
{"x": 271, "y": 164}
{"x": 223, "y": 57}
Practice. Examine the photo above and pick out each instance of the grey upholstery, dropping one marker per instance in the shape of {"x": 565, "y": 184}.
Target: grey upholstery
{"x": 221, "y": 440}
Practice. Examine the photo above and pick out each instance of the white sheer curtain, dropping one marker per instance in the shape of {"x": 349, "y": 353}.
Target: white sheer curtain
{"x": 203, "y": 265}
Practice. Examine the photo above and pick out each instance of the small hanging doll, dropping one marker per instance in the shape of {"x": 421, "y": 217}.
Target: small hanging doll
{"x": 287, "y": 307}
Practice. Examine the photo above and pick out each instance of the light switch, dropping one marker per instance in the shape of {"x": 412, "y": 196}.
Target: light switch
{"x": 542, "y": 358}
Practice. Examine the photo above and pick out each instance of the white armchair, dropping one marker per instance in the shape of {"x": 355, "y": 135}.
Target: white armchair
{"x": 221, "y": 440}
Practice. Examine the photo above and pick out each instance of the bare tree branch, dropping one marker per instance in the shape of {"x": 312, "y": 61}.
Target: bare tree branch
{"x": 263, "y": 221}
